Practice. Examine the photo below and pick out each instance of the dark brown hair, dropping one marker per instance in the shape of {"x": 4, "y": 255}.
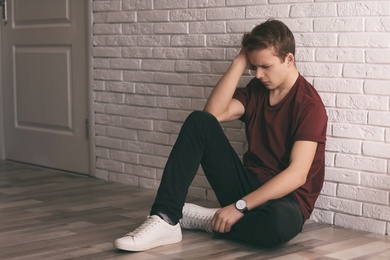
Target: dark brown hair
{"x": 271, "y": 33}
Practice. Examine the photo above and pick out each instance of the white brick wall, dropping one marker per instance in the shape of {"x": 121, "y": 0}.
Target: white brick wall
{"x": 155, "y": 61}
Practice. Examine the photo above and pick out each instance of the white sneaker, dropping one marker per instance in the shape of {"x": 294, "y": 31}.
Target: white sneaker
{"x": 197, "y": 217}
{"x": 152, "y": 233}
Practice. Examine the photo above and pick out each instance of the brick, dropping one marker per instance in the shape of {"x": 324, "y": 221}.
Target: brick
{"x": 175, "y": 103}
{"x": 342, "y": 175}
{"x": 137, "y": 5}
{"x": 375, "y": 40}
{"x": 136, "y": 123}
{"x": 122, "y": 156}
{"x": 376, "y": 149}
{"x": 349, "y": 146}
{"x": 166, "y": 127}
{"x": 360, "y": 223}
{"x": 101, "y": 174}
{"x": 121, "y": 133}
{"x": 226, "y": 13}
{"x": 380, "y": 181}
{"x": 151, "y": 89}
{"x": 358, "y": 101}
{"x": 108, "y": 142}
{"x": 198, "y": 104}
{"x": 177, "y": 116}
{"x": 137, "y": 52}
{"x": 144, "y": 171}
{"x": 105, "y": 74}
{"x": 206, "y": 54}
{"x": 152, "y": 161}
{"x": 150, "y": 113}
{"x": 109, "y": 165}
{"x": 106, "y": 52}
{"x": 170, "y": 53}
{"x": 121, "y": 17}
{"x": 152, "y": 137}
{"x": 188, "y": 15}
{"x": 340, "y": 55}
{"x": 378, "y": 56}
{"x": 193, "y": 66}
{"x": 186, "y": 91}
{"x": 98, "y": 6}
{"x": 170, "y": 78}
{"x": 102, "y": 152}
{"x": 367, "y": 71}
{"x": 162, "y": 150}
{"x": 107, "y": 29}
{"x": 366, "y": 8}
{"x": 378, "y": 24}
{"x": 120, "y": 86}
{"x": 171, "y": 28}
{"x": 320, "y": 69}
{"x": 322, "y": 216}
{"x": 313, "y": 10}
{"x": 363, "y": 194}
{"x": 339, "y": 205}
{"x": 153, "y": 40}
{"x": 133, "y": 64}
{"x": 207, "y": 27}
{"x": 219, "y": 67}
{"x": 245, "y": 2}
{"x": 158, "y": 65}
{"x": 379, "y": 118}
{"x": 115, "y": 40}
{"x": 111, "y": 98}
{"x": 188, "y": 40}
{"x": 339, "y": 85}
{"x": 100, "y": 63}
{"x": 298, "y": 25}
{"x": 339, "y": 25}
{"x": 153, "y": 16}
{"x": 137, "y": 28}
{"x": 376, "y": 212}
{"x": 303, "y": 54}
{"x": 206, "y": 3}
{"x": 329, "y": 100}
{"x": 265, "y": 11}
{"x": 137, "y": 147}
{"x": 350, "y": 116}
{"x": 203, "y": 79}
{"x": 241, "y": 26}
{"x": 357, "y": 131}
{"x": 170, "y": 4}
{"x": 360, "y": 163}
{"x": 122, "y": 110}
{"x": 224, "y": 40}
{"x": 315, "y": 40}
{"x": 138, "y": 76}
{"x": 329, "y": 189}
{"x": 108, "y": 120}
{"x": 140, "y": 100}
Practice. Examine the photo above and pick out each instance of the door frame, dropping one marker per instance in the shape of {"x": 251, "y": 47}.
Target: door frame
{"x": 90, "y": 100}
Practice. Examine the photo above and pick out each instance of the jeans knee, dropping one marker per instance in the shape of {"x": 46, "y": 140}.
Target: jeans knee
{"x": 201, "y": 116}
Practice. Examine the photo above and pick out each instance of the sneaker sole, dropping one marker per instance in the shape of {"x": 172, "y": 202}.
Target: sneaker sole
{"x": 136, "y": 248}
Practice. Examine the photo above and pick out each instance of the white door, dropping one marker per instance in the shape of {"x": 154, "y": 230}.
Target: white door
{"x": 45, "y": 92}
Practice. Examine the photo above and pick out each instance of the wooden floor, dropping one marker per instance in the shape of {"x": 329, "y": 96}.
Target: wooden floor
{"x": 47, "y": 214}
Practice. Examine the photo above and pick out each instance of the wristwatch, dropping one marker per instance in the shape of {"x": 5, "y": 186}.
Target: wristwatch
{"x": 241, "y": 206}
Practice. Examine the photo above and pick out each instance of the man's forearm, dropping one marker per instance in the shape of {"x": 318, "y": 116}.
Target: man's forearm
{"x": 223, "y": 92}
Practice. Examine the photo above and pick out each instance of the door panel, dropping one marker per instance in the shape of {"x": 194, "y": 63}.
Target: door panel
{"x": 45, "y": 83}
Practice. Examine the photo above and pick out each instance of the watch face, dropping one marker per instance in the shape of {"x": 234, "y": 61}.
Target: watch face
{"x": 241, "y": 204}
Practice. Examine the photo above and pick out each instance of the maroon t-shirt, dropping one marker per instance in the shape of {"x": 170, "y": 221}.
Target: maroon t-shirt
{"x": 272, "y": 130}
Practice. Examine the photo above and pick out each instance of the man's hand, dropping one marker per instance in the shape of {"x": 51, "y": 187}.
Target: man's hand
{"x": 242, "y": 57}
{"x": 225, "y": 218}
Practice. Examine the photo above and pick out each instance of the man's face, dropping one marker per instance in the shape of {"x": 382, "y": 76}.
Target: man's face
{"x": 270, "y": 70}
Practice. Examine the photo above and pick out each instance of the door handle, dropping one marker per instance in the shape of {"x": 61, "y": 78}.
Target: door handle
{"x": 3, "y": 3}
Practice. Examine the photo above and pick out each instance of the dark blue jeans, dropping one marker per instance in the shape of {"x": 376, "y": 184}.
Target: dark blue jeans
{"x": 202, "y": 141}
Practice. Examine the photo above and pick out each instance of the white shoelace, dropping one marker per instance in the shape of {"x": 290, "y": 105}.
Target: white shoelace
{"x": 194, "y": 220}
{"x": 144, "y": 228}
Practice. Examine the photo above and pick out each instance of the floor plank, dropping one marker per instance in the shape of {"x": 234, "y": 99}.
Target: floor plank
{"x": 49, "y": 214}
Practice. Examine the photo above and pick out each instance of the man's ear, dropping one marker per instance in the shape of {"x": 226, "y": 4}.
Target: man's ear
{"x": 290, "y": 59}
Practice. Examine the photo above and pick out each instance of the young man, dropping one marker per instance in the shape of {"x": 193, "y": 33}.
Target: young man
{"x": 266, "y": 198}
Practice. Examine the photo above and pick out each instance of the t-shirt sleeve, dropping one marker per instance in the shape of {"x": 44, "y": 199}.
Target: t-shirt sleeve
{"x": 312, "y": 123}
